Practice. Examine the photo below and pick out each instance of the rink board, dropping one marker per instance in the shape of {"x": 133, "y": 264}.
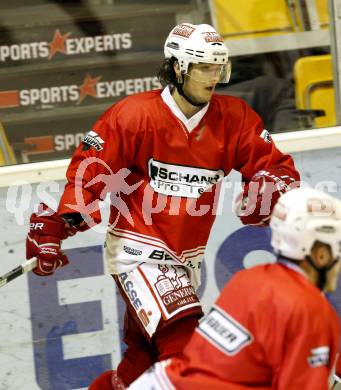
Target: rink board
{"x": 62, "y": 331}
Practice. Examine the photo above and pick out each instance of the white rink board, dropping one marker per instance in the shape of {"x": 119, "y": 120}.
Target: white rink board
{"x": 61, "y": 331}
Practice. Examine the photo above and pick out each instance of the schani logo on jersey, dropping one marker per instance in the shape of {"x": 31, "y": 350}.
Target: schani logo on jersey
{"x": 224, "y": 332}
{"x": 181, "y": 180}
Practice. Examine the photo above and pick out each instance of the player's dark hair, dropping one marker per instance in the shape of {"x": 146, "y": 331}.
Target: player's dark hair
{"x": 166, "y": 74}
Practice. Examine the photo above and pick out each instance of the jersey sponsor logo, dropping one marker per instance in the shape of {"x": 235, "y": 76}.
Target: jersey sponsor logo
{"x": 46, "y": 97}
{"x": 92, "y": 139}
{"x": 128, "y": 286}
{"x": 66, "y": 45}
{"x": 319, "y": 357}
{"x": 174, "y": 288}
{"x": 183, "y": 30}
{"x": 223, "y": 331}
{"x": 181, "y": 180}
{"x": 160, "y": 255}
{"x": 132, "y": 294}
{"x": 212, "y": 36}
{"x": 132, "y": 251}
{"x": 265, "y": 135}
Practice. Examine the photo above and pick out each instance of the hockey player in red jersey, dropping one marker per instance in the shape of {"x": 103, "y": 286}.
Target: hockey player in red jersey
{"x": 271, "y": 327}
{"x": 162, "y": 155}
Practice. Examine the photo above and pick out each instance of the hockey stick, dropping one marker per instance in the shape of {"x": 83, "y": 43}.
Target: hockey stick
{"x": 25, "y": 267}
{"x": 336, "y": 381}
{"x": 334, "y": 384}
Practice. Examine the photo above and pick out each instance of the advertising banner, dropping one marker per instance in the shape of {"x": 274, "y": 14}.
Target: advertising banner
{"x": 105, "y": 36}
{"x": 58, "y": 74}
{"x": 86, "y": 85}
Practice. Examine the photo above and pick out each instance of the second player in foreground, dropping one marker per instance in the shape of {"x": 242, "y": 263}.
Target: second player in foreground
{"x": 272, "y": 326}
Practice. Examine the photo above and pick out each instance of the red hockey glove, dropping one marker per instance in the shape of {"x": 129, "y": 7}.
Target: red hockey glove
{"x": 255, "y": 204}
{"x": 47, "y": 230}
{"x": 107, "y": 381}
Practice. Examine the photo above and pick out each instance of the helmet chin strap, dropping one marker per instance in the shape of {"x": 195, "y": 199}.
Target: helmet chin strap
{"x": 180, "y": 89}
{"x": 322, "y": 272}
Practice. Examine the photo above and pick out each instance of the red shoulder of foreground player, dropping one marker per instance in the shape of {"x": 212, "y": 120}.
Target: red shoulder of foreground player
{"x": 271, "y": 327}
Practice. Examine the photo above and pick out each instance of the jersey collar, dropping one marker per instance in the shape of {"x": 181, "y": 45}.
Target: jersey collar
{"x": 293, "y": 266}
{"x": 190, "y": 123}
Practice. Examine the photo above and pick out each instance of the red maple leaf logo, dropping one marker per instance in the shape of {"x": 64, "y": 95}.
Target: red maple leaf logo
{"x": 88, "y": 87}
{"x": 58, "y": 43}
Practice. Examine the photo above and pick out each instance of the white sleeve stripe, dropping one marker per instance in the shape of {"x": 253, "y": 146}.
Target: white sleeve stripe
{"x": 42, "y": 245}
{"x": 32, "y": 240}
{"x": 49, "y": 244}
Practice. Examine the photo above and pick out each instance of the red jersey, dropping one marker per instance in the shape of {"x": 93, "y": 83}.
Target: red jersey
{"x": 271, "y": 328}
{"x": 162, "y": 177}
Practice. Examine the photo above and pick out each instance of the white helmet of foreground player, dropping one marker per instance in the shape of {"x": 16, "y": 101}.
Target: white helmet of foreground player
{"x": 195, "y": 44}
{"x": 303, "y": 217}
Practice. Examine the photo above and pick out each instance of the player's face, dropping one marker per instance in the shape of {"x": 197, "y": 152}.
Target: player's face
{"x": 323, "y": 257}
{"x": 201, "y": 81}
{"x": 332, "y": 277}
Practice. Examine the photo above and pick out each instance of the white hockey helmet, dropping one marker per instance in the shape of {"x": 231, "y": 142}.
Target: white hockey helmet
{"x": 302, "y": 217}
{"x": 194, "y": 44}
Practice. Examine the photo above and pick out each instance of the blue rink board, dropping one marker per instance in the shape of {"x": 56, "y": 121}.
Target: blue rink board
{"x": 51, "y": 321}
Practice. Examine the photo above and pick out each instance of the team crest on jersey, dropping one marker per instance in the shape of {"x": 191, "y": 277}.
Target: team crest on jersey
{"x": 92, "y": 139}
{"x": 266, "y": 136}
{"x": 224, "y": 332}
{"x": 319, "y": 357}
{"x": 174, "y": 290}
